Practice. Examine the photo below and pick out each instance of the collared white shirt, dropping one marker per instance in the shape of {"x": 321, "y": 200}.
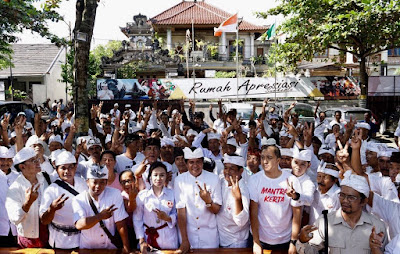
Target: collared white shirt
{"x": 4, "y": 221}
{"x": 144, "y": 213}
{"x": 383, "y": 186}
{"x": 388, "y": 211}
{"x": 321, "y": 127}
{"x": 307, "y": 190}
{"x": 232, "y": 228}
{"x": 274, "y": 206}
{"x": 95, "y": 237}
{"x": 201, "y": 223}
{"x": 328, "y": 201}
{"x": 27, "y": 223}
{"x": 63, "y": 217}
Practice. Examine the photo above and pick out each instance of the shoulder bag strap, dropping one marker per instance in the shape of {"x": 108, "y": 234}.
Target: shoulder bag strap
{"x": 66, "y": 187}
{"x": 108, "y": 233}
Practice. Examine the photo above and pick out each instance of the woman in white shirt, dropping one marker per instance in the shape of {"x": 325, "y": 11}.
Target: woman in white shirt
{"x": 155, "y": 214}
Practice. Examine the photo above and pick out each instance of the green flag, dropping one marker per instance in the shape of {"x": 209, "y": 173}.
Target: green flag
{"x": 271, "y": 32}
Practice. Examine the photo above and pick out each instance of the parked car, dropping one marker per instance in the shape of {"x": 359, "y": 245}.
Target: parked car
{"x": 355, "y": 112}
{"x": 12, "y": 107}
{"x": 244, "y": 110}
{"x": 304, "y": 110}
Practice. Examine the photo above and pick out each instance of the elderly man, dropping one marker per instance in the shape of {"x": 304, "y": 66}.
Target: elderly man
{"x": 23, "y": 200}
{"x": 349, "y": 228}
{"x": 56, "y": 206}
{"x": 198, "y": 200}
{"x": 99, "y": 213}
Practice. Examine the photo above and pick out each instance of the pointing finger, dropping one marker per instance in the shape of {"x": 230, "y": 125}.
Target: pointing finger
{"x": 199, "y": 187}
{"x": 114, "y": 209}
{"x": 205, "y": 187}
{"x": 231, "y": 180}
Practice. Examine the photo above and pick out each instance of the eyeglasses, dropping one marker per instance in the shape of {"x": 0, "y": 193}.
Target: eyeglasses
{"x": 350, "y": 198}
{"x": 123, "y": 182}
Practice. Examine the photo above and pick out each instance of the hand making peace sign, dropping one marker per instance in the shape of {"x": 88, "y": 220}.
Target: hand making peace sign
{"x": 204, "y": 194}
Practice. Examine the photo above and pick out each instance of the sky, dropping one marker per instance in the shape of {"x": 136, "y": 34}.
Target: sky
{"x": 113, "y": 14}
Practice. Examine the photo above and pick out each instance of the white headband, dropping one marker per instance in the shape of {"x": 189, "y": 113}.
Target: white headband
{"x": 211, "y": 135}
{"x": 356, "y": 182}
{"x": 323, "y": 169}
{"x": 287, "y": 152}
{"x": 268, "y": 142}
{"x": 304, "y": 155}
{"x": 329, "y": 150}
{"x": 167, "y": 141}
{"x": 237, "y": 160}
{"x": 189, "y": 154}
{"x": 96, "y": 172}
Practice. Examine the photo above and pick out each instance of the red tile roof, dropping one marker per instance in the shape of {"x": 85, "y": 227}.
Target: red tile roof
{"x": 202, "y": 14}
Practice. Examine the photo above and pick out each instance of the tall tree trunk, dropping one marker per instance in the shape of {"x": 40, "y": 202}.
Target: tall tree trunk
{"x": 84, "y": 24}
{"x": 363, "y": 81}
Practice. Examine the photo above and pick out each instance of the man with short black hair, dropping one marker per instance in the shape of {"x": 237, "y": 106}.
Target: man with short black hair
{"x": 274, "y": 190}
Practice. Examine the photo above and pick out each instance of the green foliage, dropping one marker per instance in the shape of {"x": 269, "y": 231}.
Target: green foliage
{"x": 128, "y": 71}
{"x": 225, "y": 74}
{"x": 361, "y": 27}
{"x": 213, "y": 49}
{"x": 17, "y": 15}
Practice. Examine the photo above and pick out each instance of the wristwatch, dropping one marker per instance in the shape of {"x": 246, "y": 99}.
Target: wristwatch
{"x": 209, "y": 205}
{"x": 297, "y": 196}
{"x": 293, "y": 242}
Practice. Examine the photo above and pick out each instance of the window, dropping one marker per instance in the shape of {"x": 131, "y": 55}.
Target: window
{"x": 322, "y": 55}
{"x": 394, "y": 52}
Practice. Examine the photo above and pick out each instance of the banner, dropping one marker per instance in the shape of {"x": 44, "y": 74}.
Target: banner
{"x": 334, "y": 87}
{"x": 227, "y": 88}
{"x": 205, "y": 88}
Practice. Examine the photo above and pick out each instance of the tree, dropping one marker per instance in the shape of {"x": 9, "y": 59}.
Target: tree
{"x": 360, "y": 27}
{"x": 83, "y": 32}
{"x": 17, "y": 16}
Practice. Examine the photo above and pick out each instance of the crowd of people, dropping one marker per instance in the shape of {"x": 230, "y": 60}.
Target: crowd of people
{"x": 152, "y": 179}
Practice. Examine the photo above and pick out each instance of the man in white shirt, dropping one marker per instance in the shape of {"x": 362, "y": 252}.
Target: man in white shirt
{"x": 326, "y": 197}
{"x": 273, "y": 190}
{"x": 23, "y": 200}
{"x": 56, "y": 205}
{"x": 115, "y": 113}
{"x": 94, "y": 150}
{"x": 131, "y": 156}
{"x": 233, "y": 218}
{"x": 110, "y": 211}
{"x": 7, "y": 230}
{"x": 198, "y": 200}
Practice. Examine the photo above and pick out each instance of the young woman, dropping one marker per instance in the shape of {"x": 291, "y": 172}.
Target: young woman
{"x": 155, "y": 215}
{"x": 108, "y": 159}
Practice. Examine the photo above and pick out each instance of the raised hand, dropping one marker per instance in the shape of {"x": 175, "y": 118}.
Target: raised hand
{"x": 6, "y": 121}
{"x": 58, "y": 203}
{"x": 356, "y": 140}
{"x": 32, "y": 193}
{"x": 108, "y": 212}
{"x": 290, "y": 191}
{"x": 305, "y": 233}
{"x": 343, "y": 153}
{"x": 291, "y": 130}
{"x": 237, "y": 195}
{"x": 375, "y": 240}
{"x": 351, "y": 124}
{"x": 204, "y": 194}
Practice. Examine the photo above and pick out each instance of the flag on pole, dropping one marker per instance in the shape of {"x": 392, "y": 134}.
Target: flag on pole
{"x": 229, "y": 25}
{"x": 271, "y": 32}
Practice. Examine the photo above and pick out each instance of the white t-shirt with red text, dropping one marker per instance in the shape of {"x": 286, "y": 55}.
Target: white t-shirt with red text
{"x": 274, "y": 206}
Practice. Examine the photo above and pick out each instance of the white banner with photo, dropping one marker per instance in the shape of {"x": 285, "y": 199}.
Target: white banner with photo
{"x": 230, "y": 88}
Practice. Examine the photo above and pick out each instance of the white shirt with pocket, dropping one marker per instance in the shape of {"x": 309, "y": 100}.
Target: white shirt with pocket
{"x": 144, "y": 214}
{"x": 95, "y": 237}
{"x": 201, "y": 223}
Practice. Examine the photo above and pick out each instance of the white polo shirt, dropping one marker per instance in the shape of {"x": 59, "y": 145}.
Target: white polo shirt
{"x": 233, "y": 229}
{"x": 63, "y": 217}
{"x": 124, "y": 163}
{"x": 146, "y": 202}
{"x": 201, "y": 223}
{"x": 274, "y": 206}
{"x": 95, "y": 237}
